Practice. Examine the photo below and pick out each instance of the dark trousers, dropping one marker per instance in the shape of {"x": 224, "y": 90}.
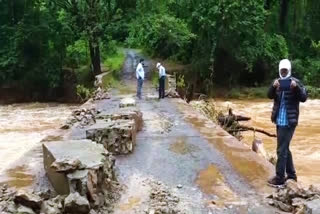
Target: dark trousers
{"x": 284, "y": 162}
{"x": 139, "y": 87}
{"x": 161, "y": 86}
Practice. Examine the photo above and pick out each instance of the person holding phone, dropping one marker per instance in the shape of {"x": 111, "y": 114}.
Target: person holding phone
{"x": 287, "y": 92}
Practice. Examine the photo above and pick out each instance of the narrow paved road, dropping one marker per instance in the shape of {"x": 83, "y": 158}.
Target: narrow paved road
{"x": 181, "y": 148}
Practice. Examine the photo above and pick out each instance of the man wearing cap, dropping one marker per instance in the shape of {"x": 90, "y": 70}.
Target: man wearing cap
{"x": 285, "y": 115}
{"x": 162, "y": 79}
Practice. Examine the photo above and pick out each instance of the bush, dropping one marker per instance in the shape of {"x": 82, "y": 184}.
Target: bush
{"x": 77, "y": 54}
{"x": 313, "y": 92}
{"x": 162, "y": 35}
{"x": 308, "y": 71}
{"x": 83, "y": 92}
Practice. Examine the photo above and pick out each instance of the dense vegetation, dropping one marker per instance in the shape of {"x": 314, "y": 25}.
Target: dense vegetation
{"x": 225, "y": 42}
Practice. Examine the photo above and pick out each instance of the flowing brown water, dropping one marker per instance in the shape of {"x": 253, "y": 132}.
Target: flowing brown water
{"x": 22, "y": 127}
{"x": 305, "y": 144}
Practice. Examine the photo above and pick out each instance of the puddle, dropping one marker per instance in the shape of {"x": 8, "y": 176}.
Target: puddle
{"x": 211, "y": 182}
{"x": 17, "y": 177}
{"x": 182, "y": 147}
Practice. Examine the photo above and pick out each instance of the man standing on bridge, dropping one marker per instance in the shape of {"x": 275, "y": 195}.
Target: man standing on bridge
{"x": 162, "y": 79}
{"x": 287, "y": 92}
{"x": 140, "y": 78}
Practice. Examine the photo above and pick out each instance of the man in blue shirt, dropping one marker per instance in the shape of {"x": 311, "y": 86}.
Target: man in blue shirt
{"x": 285, "y": 115}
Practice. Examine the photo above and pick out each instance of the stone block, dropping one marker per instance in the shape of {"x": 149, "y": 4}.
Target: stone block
{"x": 127, "y": 102}
{"x": 76, "y": 204}
{"x": 135, "y": 115}
{"x": 90, "y": 158}
{"x": 117, "y": 136}
{"x": 312, "y": 207}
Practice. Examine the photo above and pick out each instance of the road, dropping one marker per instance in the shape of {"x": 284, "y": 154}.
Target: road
{"x": 179, "y": 147}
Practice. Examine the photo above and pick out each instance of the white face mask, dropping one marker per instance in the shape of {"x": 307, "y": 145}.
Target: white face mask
{"x": 285, "y": 63}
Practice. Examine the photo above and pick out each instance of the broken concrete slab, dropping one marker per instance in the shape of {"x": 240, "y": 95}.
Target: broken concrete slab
{"x": 126, "y": 114}
{"x": 118, "y": 136}
{"x": 66, "y": 165}
{"x": 312, "y": 207}
{"x": 92, "y": 156}
{"x": 127, "y": 102}
{"x": 81, "y": 118}
{"x": 24, "y": 210}
{"x": 76, "y": 204}
{"x": 28, "y": 199}
{"x": 52, "y": 206}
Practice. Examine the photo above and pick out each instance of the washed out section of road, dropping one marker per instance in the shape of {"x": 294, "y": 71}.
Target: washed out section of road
{"x": 250, "y": 166}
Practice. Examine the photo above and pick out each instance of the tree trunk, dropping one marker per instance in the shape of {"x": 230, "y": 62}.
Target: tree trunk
{"x": 95, "y": 58}
{"x": 284, "y": 14}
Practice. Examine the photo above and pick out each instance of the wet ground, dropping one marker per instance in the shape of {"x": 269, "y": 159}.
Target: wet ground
{"x": 209, "y": 170}
{"x": 190, "y": 156}
{"x": 304, "y": 146}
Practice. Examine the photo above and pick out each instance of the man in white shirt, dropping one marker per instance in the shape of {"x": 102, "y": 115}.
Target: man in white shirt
{"x": 140, "y": 78}
{"x": 162, "y": 79}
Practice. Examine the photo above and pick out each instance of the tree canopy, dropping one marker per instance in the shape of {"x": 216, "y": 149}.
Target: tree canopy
{"x": 226, "y": 42}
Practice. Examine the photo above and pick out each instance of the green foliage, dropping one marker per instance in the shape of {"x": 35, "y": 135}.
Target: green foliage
{"x": 84, "y": 76}
{"x": 113, "y": 64}
{"x": 180, "y": 82}
{"x": 83, "y": 93}
{"x": 115, "y": 60}
{"x": 110, "y": 80}
{"x": 313, "y": 92}
{"x": 308, "y": 70}
{"x": 226, "y": 42}
{"x": 162, "y": 35}
{"x": 32, "y": 45}
{"x": 77, "y": 54}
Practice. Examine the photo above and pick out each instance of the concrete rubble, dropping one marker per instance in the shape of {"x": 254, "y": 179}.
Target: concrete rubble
{"x": 117, "y": 136}
{"x": 162, "y": 200}
{"x": 27, "y": 202}
{"x": 75, "y": 203}
{"x": 296, "y": 199}
{"x": 100, "y": 94}
{"x": 130, "y": 114}
{"x": 171, "y": 87}
{"x": 81, "y": 169}
{"x": 117, "y": 131}
{"x": 127, "y": 102}
{"x": 81, "y": 118}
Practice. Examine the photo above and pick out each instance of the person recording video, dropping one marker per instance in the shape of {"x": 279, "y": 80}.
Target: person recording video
{"x": 287, "y": 92}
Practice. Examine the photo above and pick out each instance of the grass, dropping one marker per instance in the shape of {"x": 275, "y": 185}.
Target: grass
{"x": 113, "y": 65}
{"x": 115, "y": 61}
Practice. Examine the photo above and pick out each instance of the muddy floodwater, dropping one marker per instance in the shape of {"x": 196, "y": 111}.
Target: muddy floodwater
{"x": 305, "y": 145}
{"x": 22, "y": 127}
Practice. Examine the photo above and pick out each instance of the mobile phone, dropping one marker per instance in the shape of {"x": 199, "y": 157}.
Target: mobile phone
{"x": 285, "y": 84}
